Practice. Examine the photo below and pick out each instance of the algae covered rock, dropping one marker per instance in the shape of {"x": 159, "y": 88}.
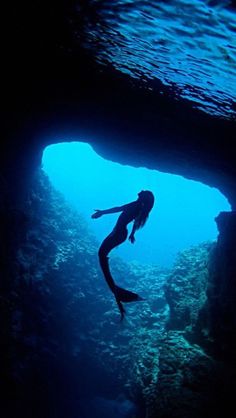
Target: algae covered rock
{"x": 186, "y": 286}
{"x": 220, "y": 313}
{"x": 189, "y": 381}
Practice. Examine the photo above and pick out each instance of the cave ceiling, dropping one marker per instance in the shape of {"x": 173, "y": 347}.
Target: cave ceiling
{"x": 176, "y": 47}
{"x": 147, "y": 78}
{"x": 190, "y": 47}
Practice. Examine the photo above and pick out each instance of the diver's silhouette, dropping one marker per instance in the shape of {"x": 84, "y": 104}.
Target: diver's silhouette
{"x": 138, "y": 212}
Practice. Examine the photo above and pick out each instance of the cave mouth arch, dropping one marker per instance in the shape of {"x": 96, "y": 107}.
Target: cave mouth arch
{"x": 183, "y": 216}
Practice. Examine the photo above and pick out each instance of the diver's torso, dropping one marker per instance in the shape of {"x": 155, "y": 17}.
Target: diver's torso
{"x": 128, "y": 215}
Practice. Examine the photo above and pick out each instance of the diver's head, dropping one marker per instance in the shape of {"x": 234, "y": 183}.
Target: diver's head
{"x": 147, "y": 201}
{"x": 147, "y": 198}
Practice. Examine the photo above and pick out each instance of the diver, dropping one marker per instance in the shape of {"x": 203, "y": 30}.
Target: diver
{"x": 136, "y": 212}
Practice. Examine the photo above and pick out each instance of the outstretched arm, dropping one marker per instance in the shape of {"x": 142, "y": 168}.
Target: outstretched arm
{"x": 99, "y": 213}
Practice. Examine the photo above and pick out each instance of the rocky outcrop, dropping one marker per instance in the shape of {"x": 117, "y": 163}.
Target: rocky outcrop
{"x": 189, "y": 382}
{"x": 186, "y": 287}
{"x": 219, "y": 313}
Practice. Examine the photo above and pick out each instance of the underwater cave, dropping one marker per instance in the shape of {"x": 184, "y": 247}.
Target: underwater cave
{"x": 152, "y": 86}
{"x": 184, "y": 211}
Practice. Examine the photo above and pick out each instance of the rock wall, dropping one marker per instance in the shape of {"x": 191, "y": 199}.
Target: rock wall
{"x": 186, "y": 287}
{"x": 220, "y": 312}
{"x": 197, "y": 355}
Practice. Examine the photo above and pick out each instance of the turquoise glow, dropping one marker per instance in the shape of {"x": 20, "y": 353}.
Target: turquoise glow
{"x": 190, "y": 46}
{"x": 183, "y": 214}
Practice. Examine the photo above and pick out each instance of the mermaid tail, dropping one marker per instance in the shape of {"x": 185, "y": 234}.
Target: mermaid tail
{"x": 121, "y": 309}
{"x": 121, "y": 295}
{"x": 124, "y": 295}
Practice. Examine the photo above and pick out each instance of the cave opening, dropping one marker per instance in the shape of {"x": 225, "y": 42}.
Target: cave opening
{"x": 184, "y": 211}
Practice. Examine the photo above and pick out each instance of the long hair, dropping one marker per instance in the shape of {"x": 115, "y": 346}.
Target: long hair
{"x": 146, "y": 199}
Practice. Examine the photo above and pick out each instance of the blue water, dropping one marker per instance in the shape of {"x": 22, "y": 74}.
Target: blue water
{"x": 183, "y": 214}
{"x": 104, "y": 408}
{"x": 190, "y": 46}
